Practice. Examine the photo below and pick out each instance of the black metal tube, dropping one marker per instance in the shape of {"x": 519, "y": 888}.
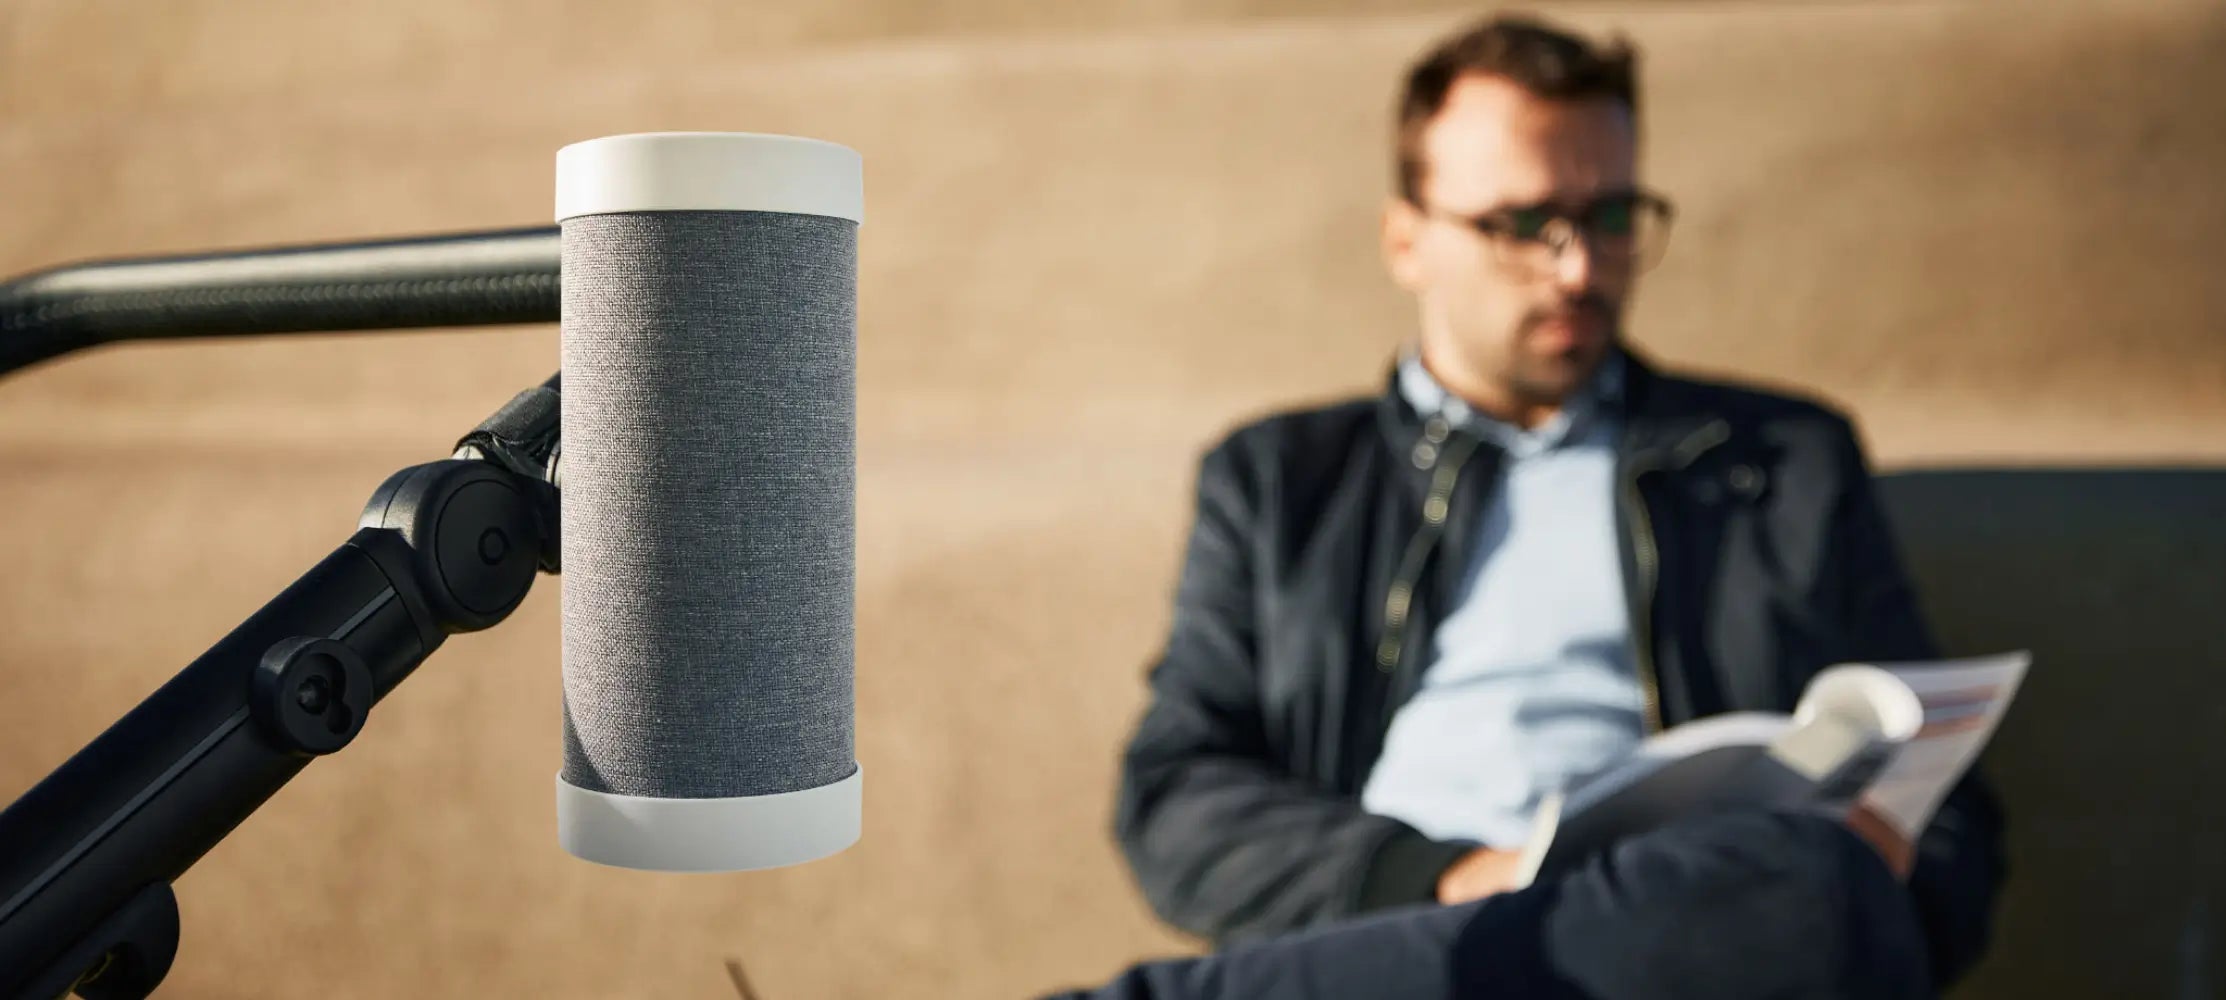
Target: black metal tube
{"x": 465, "y": 279}
{"x": 191, "y": 762}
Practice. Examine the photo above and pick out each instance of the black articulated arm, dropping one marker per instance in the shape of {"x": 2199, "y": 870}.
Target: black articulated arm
{"x": 88, "y": 855}
{"x": 462, "y": 279}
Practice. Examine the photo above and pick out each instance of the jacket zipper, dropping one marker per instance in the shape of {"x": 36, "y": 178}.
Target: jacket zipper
{"x": 1436, "y": 507}
{"x": 1648, "y": 557}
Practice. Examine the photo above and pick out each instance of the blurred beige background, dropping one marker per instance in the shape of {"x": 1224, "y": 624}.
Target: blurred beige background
{"x": 1097, "y": 235}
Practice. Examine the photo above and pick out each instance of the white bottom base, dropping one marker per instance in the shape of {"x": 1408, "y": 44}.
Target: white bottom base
{"x": 709, "y": 835}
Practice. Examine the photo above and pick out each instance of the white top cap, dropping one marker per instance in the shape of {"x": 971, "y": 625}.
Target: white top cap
{"x": 709, "y": 171}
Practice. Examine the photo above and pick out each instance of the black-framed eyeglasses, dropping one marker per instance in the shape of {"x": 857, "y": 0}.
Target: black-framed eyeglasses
{"x": 1621, "y": 229}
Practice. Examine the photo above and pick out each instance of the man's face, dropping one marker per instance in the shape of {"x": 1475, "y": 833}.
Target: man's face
{"x": 1525, "y": 325}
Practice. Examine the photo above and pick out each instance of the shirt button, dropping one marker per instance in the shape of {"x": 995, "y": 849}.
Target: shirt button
{"x": 1434, "y": 511}
{"x": 1436, "y": 429}
{"x": 1425, "y": 455}
{"x": 1745, "y": 480}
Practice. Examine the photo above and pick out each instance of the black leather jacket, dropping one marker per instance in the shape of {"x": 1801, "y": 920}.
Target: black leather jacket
{"x": 1325, "y": 544}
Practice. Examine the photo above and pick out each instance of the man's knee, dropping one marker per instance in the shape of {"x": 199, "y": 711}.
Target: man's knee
{"x": 1739, "y": 905}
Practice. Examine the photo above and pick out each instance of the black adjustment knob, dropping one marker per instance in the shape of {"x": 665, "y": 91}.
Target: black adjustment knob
{"x": 311, "y": 695}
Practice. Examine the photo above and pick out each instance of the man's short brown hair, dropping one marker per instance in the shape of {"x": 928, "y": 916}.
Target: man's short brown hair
{"x": 1542, "y": 59}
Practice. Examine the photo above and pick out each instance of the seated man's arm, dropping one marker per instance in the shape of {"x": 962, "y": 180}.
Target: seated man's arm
{"x": 1960, "y": 861}
{"x": 1223, "y": 842}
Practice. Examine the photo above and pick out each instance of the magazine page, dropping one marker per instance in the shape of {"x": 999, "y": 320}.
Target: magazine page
{"x": 1898, "y": 736}
{"x": 1851, "y": 721}
{"x": 1963, "y": 702}
{"x": 1685, "y": 768}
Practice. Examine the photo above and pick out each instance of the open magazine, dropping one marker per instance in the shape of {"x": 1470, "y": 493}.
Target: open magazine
{"x": 1894, "y": 736}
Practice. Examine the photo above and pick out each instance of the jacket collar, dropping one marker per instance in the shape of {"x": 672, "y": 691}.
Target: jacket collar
{"x": 1669, "y": 421}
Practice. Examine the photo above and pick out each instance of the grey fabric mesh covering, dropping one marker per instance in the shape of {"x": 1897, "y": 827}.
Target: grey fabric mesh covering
{"x": 709, "y": 475}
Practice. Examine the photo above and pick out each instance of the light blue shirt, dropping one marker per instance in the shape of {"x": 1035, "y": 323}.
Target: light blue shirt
{"x": 1533, "y": 682}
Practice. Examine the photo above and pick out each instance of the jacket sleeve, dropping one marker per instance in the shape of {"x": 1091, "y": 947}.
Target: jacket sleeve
{"x": 1961, "y": 863}
{"x": 1222, "y": 841}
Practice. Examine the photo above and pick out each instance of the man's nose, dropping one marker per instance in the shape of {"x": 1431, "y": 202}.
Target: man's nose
{"x": 1573, "y": 262}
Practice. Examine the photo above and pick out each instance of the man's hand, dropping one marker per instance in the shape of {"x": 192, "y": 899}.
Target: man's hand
{"x": 1482, "y": 872}
{"x": 1899, "y": 853}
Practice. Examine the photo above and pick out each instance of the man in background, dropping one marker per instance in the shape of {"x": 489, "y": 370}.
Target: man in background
{"x": 1404, "y": 620}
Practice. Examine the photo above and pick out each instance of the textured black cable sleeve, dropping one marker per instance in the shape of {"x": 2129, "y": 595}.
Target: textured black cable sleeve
{"x": 463, "y": 279}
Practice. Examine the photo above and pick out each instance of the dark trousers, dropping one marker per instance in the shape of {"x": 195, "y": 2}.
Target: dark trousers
{"x": 1747, "y": 905}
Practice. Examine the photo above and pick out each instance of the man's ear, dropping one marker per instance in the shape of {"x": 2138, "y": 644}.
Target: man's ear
{"x": 1402, "y": 228}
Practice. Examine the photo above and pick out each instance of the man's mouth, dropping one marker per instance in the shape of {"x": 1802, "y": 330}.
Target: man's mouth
{"x": 1564, "y": 330}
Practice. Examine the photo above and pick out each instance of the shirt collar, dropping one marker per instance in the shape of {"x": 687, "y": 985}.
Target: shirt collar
{"x": 1596, "y": 399}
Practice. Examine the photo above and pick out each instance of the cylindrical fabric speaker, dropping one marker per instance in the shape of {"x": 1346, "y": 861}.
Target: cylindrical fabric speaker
{"x": 709, "y": 289}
